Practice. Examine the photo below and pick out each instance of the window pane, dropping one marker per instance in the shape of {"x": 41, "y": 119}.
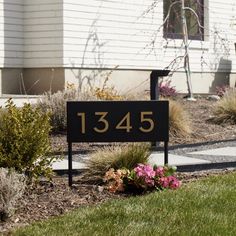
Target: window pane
{"x": 173, "y": 25}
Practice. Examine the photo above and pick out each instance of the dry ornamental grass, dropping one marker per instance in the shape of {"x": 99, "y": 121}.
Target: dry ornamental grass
{"x": 225, "y": 109}
{"x": 180, "y": 126}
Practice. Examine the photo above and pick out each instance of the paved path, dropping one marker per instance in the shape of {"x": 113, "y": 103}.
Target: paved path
{"x": 186, "y": 158}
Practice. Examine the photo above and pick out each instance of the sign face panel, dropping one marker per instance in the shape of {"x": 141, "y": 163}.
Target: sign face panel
{"x": 117, "y": 121}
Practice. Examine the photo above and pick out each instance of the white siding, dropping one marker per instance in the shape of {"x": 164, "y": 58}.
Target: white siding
{"x": 222, "y": 40}
{"x": 11, "y": 33}
{"x": 106, "y": 34}
{"x": 43, "y": 33}
{"x": 1, "y": 35}
{"x": 112, "y": 33}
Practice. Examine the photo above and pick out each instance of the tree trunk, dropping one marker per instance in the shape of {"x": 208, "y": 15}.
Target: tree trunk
{"x": 186, "y": 56}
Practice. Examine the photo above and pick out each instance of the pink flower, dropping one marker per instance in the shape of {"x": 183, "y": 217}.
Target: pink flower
{"x": 144, "y": 170}
{"x": 160, "y": 171}
{"x": 169, "y": 182}
{"x": 164, "y": 182}
{"x": 139, "y": 170}
{"x": 149, "y": 182}
{"x": 174, "y": 183}
{"x": 149, "y": 171}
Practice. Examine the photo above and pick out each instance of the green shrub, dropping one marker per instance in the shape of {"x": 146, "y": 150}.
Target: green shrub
{"x": 180, "y": 126}
{"x": 24, "y": 140}
{"x": 55, "y": 104}
{"x": 117, "y": 157}
{"x": 12, "y": 186}
{"x": 225, "y": 109}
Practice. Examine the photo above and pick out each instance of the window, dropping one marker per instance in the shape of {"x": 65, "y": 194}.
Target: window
{"x": 173, "y": 24}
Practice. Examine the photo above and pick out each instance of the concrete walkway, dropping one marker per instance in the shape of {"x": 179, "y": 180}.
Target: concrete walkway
{"x": 224, "y": 157}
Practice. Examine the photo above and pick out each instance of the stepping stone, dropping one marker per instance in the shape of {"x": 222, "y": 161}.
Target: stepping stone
{"x": 63, "y": 165}
{"x": 225, "y": 151}
{"x": 176, "y": 160}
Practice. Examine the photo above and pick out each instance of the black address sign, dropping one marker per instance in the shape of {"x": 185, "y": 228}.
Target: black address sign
{"x": 117, "y": 121}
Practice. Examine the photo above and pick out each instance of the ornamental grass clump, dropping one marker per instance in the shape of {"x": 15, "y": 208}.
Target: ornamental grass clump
{"x": 117, "y": 157}
{"x": 179, "y": 121}
{"x": 225, "y": 109}
{"x": 55, "y": 104}
{"x": 12, "y": 186}
{"x": 141, "y": 179}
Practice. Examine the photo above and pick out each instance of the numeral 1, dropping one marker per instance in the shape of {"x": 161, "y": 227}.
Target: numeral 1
{"x": 82, "y": 115}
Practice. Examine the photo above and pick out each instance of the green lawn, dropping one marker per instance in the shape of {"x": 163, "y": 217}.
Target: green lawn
{"x": 205, "y": 207}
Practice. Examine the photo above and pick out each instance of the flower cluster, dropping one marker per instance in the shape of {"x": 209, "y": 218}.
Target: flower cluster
{"x": 166, "y": 90}
{"x": 142, "y": 178}
{"x": 221, "y": 90}
{"x": 115, "y": 179}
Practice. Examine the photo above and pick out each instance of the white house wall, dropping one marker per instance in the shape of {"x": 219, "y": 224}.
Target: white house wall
{"x": 43, "y": 33}
{"x": 108, "y": 34}
{"x": 47, "y": 39}
{"x": 113, "y": 34}
{"x": 1, "y": 34}
{"x": 11, "y": 33}
{"x": 226, "y": 25}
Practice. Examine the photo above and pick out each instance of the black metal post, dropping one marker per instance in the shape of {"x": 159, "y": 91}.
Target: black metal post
{"x": 154, "y": 77}
{"x": 154, "y": 90}
{"x": 166, "y": 153}
{"x": 70, "y": 163}
{"x": 154, "y": 86}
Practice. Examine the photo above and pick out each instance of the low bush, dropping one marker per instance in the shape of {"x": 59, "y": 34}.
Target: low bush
{"x": 24, "y": 140}
{"x": 117, "y": 157}
{"x": 12, "y": 186}
{"x": 141, "y": 179}
{"x": 55, "y": 104}
{"x": 179, "y": 121}
{"x": 221, "y": 90}
{"x": 225, "y": 109}
{"x": 166, "y": 90}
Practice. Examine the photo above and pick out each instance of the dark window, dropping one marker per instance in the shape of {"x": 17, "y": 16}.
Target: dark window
{"x": 173, "y": 24}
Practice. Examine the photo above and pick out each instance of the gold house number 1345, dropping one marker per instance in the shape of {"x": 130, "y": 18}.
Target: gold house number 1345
{"x": 123, "y": 124}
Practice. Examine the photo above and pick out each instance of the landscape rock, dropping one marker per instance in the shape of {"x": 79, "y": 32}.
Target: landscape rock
{"x": 213, "y": 98}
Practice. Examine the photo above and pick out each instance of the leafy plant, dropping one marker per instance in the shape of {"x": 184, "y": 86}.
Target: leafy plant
{"x": 166, "y": 90}
{"x": 24, "y": 140}
{"x": 225, "y": 109}
{"x": 117, "y": 157}
{"x": 142, "y": 178}
{"x": 12, "y": 186}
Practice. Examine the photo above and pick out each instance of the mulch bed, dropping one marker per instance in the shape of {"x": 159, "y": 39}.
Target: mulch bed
{"x": 52, "y": 199}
